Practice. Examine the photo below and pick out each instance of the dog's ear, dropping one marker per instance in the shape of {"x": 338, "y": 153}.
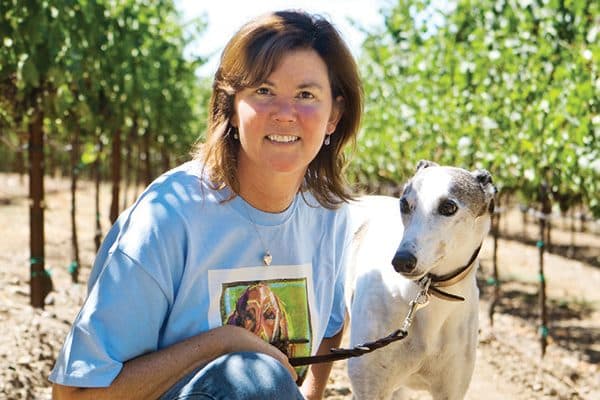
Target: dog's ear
{"x": 484, "y": 178}
{"x": 425, "y": 164}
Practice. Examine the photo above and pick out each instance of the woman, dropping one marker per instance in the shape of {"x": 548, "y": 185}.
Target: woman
{"x": 262, "y": 202}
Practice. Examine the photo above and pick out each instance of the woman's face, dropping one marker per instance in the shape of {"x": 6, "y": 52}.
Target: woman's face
{"x": 282, "y": 123}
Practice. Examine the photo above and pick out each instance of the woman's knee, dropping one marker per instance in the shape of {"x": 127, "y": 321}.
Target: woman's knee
{"x": 243, "y": 375}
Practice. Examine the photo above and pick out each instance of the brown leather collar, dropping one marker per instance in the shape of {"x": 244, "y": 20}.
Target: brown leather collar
{"x": 451, "y": 279}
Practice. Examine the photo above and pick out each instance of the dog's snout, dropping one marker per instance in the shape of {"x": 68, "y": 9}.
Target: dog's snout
{"x": 404, "y": 261}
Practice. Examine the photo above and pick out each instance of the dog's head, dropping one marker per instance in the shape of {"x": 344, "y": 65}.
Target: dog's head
{"x": 446, "y": 212}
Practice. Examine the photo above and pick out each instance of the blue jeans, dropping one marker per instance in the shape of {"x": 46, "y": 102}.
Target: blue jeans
{"x": 237, "y": 376}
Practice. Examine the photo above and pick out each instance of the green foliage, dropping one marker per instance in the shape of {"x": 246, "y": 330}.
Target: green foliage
{"x": 506, "y": 85}
{"x": 99, "y": 67}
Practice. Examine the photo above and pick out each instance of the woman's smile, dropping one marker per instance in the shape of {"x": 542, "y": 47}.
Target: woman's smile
{"x": 285, "y": 139}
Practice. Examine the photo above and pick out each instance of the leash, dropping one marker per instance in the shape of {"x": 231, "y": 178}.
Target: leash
{"x": 420, "y": 301}
{"x": 429, "y": 285}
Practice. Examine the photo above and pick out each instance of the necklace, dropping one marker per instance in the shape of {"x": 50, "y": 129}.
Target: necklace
{"x": 267, "y": 257}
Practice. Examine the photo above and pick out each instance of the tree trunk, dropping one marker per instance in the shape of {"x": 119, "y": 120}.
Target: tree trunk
{"x": 115, "y": 166}
{"x": 543, "y": 218}
{"x": 39, "y": 278}
{"x": 74, "y": 266}
{"x": 495, "y": 280}
{"x": 98, "y": 231}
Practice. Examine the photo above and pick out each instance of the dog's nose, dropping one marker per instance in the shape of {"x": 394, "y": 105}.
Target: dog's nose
{"x": 404, "y": 261}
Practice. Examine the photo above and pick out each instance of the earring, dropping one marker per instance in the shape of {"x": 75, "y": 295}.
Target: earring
{"x": 327, "y": 140}
{"x": 233, "y": 129}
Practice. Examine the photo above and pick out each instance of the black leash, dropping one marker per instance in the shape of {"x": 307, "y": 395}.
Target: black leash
{"x": 421, "y": 300}
{"x": 357, "y": 351}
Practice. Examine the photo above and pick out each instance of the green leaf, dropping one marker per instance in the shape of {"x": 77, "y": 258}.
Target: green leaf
{"x": 29, "y": 73}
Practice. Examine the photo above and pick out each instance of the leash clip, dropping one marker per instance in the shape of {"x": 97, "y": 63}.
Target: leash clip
{"x": 420, "y": 301}
{"x": 422, "y": 298}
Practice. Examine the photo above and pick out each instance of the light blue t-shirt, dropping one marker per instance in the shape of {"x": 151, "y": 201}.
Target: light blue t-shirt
{"x": 180, "y": 261}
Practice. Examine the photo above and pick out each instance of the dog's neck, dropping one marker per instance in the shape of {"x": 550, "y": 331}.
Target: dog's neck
{"x": 450, "y": 279}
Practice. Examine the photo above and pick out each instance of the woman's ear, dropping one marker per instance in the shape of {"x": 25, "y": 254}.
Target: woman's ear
{"x": 337, "y": 110}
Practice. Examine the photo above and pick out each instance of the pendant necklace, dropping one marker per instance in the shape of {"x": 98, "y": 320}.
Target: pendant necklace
{"x": 267, "y": 257}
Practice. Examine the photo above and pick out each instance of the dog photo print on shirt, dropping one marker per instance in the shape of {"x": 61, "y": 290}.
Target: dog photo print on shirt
{"x": 274, "y": 303}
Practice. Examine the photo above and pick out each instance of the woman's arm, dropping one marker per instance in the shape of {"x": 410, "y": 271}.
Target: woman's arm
{"x": 313, "y": 387}
{"x": 150, "y": 375}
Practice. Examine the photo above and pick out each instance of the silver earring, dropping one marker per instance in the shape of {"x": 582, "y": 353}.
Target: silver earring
{"x": 327, "y": 140}
{"x": 233, "y": 129}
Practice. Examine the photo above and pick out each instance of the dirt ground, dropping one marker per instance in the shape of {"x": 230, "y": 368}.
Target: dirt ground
{"x": 509, "y": 365}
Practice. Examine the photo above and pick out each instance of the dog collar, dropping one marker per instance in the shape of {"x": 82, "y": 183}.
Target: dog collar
{"x": 451, "y": 279}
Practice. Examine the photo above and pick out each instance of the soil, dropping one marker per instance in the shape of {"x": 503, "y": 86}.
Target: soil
{"x": 509, "y": 363}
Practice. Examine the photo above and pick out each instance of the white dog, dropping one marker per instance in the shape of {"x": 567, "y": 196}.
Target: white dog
{"x": 430, "y": 236}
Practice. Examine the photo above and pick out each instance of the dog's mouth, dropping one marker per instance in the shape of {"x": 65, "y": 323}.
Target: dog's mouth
{"x": 413, "y": 276}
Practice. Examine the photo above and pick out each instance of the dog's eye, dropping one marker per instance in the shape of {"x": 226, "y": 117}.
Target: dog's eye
{"x": 447, "y": 208}
{"x": 404, "y": 206}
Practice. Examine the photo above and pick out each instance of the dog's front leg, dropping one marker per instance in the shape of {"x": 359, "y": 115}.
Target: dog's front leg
{"x": 374, "y": 314}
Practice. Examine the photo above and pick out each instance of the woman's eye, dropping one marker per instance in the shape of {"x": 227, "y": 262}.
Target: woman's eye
{"x": 447, "y": 208}
{"x": 263, "y": 90}
{"x": 306, "y": 95}
{"x": 404, "y": 206}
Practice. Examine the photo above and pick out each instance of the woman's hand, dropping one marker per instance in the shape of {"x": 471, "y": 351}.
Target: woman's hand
{"x": 238, "y": 339}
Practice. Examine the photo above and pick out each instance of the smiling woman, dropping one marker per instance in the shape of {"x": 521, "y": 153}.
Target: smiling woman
{"x": 234, "y": 261}
{"x": 267, "y": 64}
{"x": 282, "y": 126}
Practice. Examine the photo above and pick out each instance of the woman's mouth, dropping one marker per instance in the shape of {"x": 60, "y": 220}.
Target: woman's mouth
{"x": 283, "y": 138}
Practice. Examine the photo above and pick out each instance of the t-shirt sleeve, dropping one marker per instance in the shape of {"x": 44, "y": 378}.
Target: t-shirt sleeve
{"x": 120, "y": 320}
{"x": 126, "y": 307}
{"x": 338, "y": 310}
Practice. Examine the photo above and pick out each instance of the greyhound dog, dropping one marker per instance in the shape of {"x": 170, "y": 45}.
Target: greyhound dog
{"x": 427, "y": 242}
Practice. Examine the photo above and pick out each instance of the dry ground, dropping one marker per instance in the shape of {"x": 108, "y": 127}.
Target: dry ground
{"x": 508, "y": 366}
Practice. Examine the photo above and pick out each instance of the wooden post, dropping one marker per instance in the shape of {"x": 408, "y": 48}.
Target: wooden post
{"x": 36, "y": 210}
{"x": 98, "y": 231}
{"x": 75, "y": 262}
{"x": 544, "y": 214}
{"x": 116, "y": 175}
{"x": 494, "y": 280}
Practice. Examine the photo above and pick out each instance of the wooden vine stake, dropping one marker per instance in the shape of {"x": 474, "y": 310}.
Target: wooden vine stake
{"x": 543, "y": 217}
{"x": 39, "y": 278}
{"x": 494, "y": 280}
{"x": 75, "y": 167}
{"x": 98, "y": 224}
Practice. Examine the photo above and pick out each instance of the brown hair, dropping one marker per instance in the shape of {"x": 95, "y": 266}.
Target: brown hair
{"x": 248, "y": 59}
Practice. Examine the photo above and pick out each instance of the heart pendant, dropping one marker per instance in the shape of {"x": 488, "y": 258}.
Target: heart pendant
{"x": 267, "y": 258}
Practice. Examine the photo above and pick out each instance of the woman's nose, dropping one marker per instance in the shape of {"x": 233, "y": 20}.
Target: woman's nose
{"x": 284, "y": 110}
